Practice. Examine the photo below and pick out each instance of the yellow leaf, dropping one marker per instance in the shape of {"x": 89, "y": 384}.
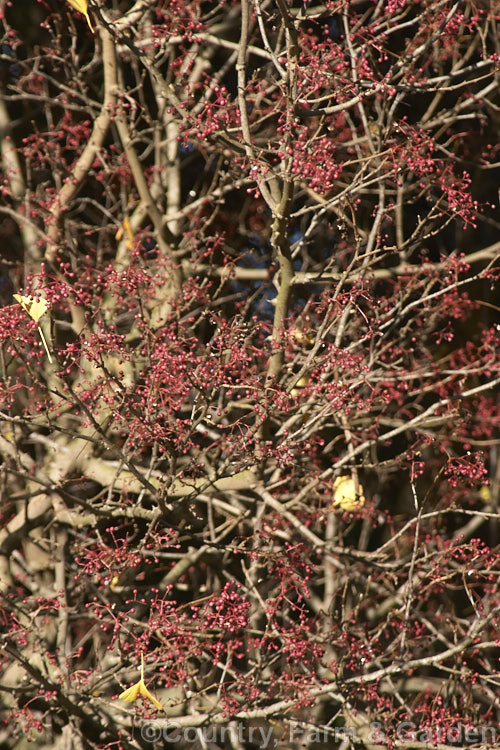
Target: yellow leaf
{"x": 301, "y": 337}
{"x": 81, "y": 6}
{"x": 345, "y": 496}
{"x": 126, "y": 229}
{"x": 34, "y": 308}
{"x": 485, "y": 493}
{"x": 130, "y": 233}
{"x": 132, "y": 693}
{"x": 300, "y": 385}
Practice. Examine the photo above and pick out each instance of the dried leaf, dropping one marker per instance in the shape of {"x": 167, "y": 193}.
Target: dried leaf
{"x": 35, "y": 309}
{"x": 345, "y": 496}
{"x": 82, "y": 7}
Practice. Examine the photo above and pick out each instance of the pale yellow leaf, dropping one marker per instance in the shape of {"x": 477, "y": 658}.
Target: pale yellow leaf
{"x": 34, "y": 307}
{"x": 82, "y": 7}
{"x": 345, "y": 496}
